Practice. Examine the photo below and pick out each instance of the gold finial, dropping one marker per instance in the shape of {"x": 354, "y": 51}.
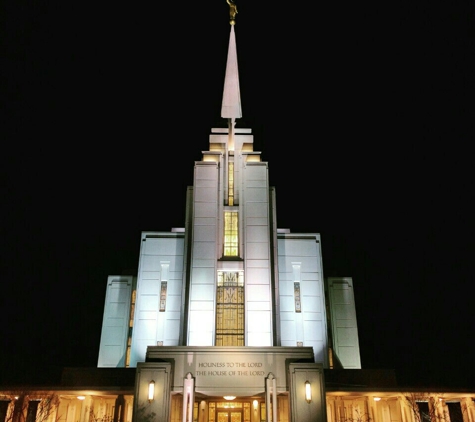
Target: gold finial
{"x": 232, "y": 11}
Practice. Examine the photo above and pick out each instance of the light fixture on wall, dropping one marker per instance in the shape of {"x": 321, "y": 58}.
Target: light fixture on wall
{"x": 255, "y": 403}
{"x": 81, "y": 397}
{"x": 377, "y": 398}
{"x": 229, "y": 397}
{"x": 151, "y": 391}
{"x": 308, "y": 392}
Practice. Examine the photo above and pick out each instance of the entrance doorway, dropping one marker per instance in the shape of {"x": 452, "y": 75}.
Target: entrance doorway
{"x": 229, "y": 415}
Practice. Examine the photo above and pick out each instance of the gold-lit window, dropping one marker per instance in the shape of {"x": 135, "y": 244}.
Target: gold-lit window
{"x": 230, "y": 309}
{"x": 231, "y": 239}
{"x": 231, "y": 184}
{"x": 131, "y": 325}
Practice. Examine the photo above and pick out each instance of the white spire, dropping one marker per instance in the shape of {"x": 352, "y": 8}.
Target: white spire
{"x": 231, "y": 105}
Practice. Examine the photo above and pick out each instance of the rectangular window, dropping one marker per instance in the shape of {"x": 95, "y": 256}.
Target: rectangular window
{"x": 230, "y": 309}
{"x": 231, "y": 184}
{"x": 163, "y": 296}
{"x": 424, "y": 413}
{"x": 231, "y": 236}
{"x": 455, "y": 411}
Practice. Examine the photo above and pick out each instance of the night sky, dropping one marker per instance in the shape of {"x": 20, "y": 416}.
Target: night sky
{"x": 364, "y": 112}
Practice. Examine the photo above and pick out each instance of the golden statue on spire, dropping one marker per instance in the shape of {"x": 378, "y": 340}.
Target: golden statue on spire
{"x": 232, "y": 11}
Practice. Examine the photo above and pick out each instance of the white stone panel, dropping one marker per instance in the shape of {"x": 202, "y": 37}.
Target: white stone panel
{"x": 145, "y": 329}
{"x": 205, "y": 171}
{"x": 259, "y": 339}
{"x": 203, "y": 194}
{"x": 174, "y": 287}
{"x": 257, "y": 276}
{"x": 148, "y": 315}
{"x": 310, "y": 264}
{"x": 252, "y": 221}
{"x": 149, "y": 263}
{"x": 162, "y": 246}
{"x": 259, "y": 322}
{"x": 113, "y": 353}
{"x": 256, "y": 210}
{"x": 204, "y": 221}
{"x": 148, "y": 303}
{"x": 173, "y": 315}
{"x": 139, "y": 349}
{"x": 345, "y": 313}
{"x": 343, "y": 320}
{"x": 347, "y": 336}
{"x": 150, "y": 275}
{"x": 286, "y": 288}
{"x": 202, "y": 305}
{"x": 261, "y": 183}
{"x": 204, "y": 263}
{"x": 310, "y": 324}
{"x": 257, "y": 171}
{"x": 257, "y": 234}
{"x": 311, "y": 317}
{"x": 288, "y": 331}
{"x": 205, "y": 233}
{"x": 200, "y": 338}
{"x": 205, "y": 209}
{"x": 201, "y": 321}
{"x": 258, "y": 263}
{"x": 287, "y": 316}
{"x": 257, "y": 250}
{"x": 205, "y": 183}
{"x": 287, "y": 303}
{"x": 319, "y": 350}
{"x": 257, "y": 195}
{"x": 258, "y": 306}
{"x": 173, "y": 303}
{"x": 313, "y": 332}
{"x": 203, "y": 276}
{"x": 203, "y": 250}
{"x": 171, "y": 335}
{"x": 257, "y": 293}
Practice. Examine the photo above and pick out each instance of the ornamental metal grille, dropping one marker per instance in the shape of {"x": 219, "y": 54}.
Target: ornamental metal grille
{"x": 230, "y": 309}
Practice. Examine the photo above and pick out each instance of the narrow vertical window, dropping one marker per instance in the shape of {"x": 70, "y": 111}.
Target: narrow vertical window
{"x": 231, "y": 233}
{"x": 230, "y": 309}
{"x": 296, "y": 277}
{"x": 163, "y": 285}
{"x": 231, "y": 184}
{"x": 131, "y": 326}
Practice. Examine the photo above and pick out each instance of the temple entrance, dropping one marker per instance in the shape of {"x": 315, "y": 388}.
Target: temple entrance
{"x": 229, "y": 415}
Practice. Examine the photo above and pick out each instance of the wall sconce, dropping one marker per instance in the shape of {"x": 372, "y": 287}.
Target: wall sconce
{"x": 151, "y": 391}
{"x": 81, "y": 397}
{"x": 255, "y": 403}
{"x": 308, "y": 392}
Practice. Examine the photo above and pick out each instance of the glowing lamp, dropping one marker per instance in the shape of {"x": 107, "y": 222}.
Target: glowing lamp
{"x": 151, "y": 391}
{"x": 308, "y": 392}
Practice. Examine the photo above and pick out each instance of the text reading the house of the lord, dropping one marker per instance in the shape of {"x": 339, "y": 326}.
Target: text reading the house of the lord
{"x": 223, "y": 369}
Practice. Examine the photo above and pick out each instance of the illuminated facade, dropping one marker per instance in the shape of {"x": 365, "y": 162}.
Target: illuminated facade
{"x": 230, "y": 289}
{"x": 230, "y": 319}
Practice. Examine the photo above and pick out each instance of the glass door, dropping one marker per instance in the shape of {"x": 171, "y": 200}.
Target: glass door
{"x": 229, "y": 416}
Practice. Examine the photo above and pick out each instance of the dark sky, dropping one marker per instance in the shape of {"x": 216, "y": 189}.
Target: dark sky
{"x": 364, "y": 112}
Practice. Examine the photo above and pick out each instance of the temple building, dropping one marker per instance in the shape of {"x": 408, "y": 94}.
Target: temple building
{"x": 230, "y": 318}
{"x": 230, "y": 305}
